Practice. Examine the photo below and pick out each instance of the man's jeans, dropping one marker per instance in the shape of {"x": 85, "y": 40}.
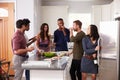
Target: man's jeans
{"x": 27, "y": 74}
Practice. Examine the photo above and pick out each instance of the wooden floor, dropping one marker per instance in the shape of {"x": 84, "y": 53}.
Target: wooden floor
{"x": 12, "y": 78}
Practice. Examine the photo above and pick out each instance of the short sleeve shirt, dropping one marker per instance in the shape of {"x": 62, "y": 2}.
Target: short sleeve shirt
{"x": 18, "y": 41}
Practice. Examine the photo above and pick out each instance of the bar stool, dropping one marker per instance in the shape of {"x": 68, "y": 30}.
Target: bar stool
{"x": 4, "y": 70}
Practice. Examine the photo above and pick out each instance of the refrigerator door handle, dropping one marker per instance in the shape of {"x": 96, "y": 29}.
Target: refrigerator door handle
{"x": 99, "y": 51}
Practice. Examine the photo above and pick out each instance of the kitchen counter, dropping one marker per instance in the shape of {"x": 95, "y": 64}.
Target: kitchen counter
{"x": 42, "y": 68}
{"x": 35, "y": 62}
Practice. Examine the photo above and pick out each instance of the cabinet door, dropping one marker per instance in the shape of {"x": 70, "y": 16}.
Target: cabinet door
{"x": 3, "y": 38}
{"x": 96, "y": 14}
{"x": 106, "y": 13}
{"x": 102, "y": 13}
{"x": 116, "y": 8}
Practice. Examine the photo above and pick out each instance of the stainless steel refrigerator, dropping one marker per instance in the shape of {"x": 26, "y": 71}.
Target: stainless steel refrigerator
{"x": 110, "y": 41}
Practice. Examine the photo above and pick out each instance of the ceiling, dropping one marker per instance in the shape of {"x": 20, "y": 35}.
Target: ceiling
{"x": 80, "y": 0}
{"x": 95, "y": 2}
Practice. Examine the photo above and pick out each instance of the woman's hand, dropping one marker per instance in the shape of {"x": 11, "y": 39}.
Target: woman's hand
{"x": 69, "y": 53}
{"x": 41, "y": 51}
{"x": 97, "y": 48}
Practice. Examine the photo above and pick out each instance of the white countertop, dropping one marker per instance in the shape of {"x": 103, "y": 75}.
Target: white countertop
{"x": 32, "y": 63}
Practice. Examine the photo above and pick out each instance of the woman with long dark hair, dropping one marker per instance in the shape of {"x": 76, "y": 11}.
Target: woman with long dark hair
{"x": 43, "y": 41}
{"x": 90, "y": 47}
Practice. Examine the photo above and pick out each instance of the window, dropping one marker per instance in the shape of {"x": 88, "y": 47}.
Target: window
{"x": 85, "y": 18}
{"x": 3, "y": 12}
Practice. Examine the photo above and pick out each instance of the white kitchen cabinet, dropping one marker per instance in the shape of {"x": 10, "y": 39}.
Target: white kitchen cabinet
{"x": 102, "y": 13}
{"x": 116, "y": 8}
{"x": 96, "y": 14}
{"x": 106, "y": 13}
{"x": 47, "y": 75}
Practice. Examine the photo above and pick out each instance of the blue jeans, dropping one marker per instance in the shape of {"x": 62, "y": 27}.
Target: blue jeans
{"x": 27, "y": 74}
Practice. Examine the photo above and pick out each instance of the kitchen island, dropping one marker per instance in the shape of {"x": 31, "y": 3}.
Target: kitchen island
{"x": 42, "y": 68}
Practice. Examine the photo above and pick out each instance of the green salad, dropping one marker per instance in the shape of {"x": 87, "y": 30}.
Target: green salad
{"x": 49, "y": 54}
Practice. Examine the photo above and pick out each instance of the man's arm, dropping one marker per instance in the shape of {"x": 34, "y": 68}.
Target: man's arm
{"x": 64, "y": 32}
{"x": 55, "y": 38}
{"x": 78, "y": 37}
{"x": 21, "y": 51}
{"x": 67, "y": 37}
{"x": 16, "y": 43}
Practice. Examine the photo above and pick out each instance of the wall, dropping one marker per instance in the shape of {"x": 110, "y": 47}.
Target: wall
{"x": 73, "y": 6}
{"x": 37, "y": 16}
{"x": 25, "y": 9}
{"x": 29, "y": 9}
{"x": 76, "y": 6}
{"x": 50, "y": 14}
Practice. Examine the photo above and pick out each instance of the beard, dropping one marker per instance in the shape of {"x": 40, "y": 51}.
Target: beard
{"x": 27, "y": 29}
{"x": 75, "y": 29}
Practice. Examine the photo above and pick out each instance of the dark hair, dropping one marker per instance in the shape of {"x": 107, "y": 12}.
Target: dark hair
{"x": 94, "y": 32}
{"x": 42, "y": 32}
{"x": 78, "y": 22}
{"x": 26, "y": 22}
{"x": 60, "y": 19}
{"x": 21, "y": 22}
